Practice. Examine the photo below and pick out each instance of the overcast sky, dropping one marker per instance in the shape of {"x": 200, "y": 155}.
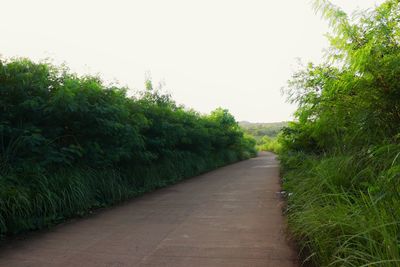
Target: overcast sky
{"x": 236, "y": 54}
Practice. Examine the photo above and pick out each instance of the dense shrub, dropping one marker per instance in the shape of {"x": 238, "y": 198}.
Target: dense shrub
{"x": 69, "y": 144}
{"x": 267, "y": 143}
{"x": 264, "y": 134}
{"x": 340, "y": 158}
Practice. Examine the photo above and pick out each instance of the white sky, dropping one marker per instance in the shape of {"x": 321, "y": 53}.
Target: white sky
{"x": 236, "y": 54}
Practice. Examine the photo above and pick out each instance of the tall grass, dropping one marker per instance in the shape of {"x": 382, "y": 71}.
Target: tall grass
{"x": 345, "y": 209}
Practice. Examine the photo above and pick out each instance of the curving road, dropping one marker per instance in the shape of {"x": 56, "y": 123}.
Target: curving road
{"x": 227, "y": 217}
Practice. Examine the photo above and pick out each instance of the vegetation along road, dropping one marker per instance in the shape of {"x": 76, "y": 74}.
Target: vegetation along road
{"x": 228, "y": 217}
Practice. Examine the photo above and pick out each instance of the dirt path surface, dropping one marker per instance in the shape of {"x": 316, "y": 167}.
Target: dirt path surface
{"x": 227, "y": 217}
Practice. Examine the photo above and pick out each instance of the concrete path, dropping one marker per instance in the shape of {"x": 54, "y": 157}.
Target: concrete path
{"x": 228, "y": 217}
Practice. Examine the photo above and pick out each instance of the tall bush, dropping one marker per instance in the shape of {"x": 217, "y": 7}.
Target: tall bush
{"x": 341, "y": 157}
{"x": 70, "y": 143}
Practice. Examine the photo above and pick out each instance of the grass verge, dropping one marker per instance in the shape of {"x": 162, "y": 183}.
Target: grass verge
{"x": 344, "y": 209}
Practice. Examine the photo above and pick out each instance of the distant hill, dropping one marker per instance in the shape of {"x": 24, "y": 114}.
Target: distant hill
{"x": 258, "y": 130}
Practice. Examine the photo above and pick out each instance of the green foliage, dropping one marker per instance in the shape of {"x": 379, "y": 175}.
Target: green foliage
{"x": 267, "y": 143}
{"x": 69, "y": 144}
{"x": 259, "y": 130}
{"x": 341, "y": 157}
{"x": 264, "y": 134}
{"x": 355, "y": 93}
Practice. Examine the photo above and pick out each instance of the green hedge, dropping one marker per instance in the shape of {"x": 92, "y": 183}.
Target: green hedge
{"x": 69, "y": 144}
